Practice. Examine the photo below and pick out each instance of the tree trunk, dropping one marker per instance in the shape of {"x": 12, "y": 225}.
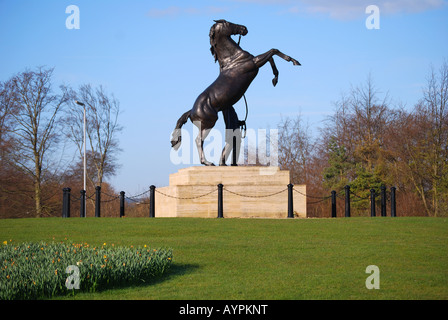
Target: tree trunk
{"x": 38, "y": 198}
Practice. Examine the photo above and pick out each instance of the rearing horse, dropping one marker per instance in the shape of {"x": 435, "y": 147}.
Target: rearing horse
{"x": 237, "y": 70}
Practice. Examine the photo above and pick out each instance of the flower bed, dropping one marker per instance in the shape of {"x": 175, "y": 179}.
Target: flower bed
{"x": 43, "y": 270}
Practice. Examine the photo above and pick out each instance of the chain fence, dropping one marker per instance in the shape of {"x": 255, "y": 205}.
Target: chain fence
{"x": 99, "y": 197}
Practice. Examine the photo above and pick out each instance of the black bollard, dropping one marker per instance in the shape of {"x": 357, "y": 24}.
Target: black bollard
{"x": 64, "y": 203}
{"x": 383, "y": 201}
{"x": 68, "y": 202}
{"x": 290, "y": 201}
{"x": 122, "y": 204}
{"x": 97, "y": 201}
{"x": 152, "y": 201}
{"x": 372, "y": 203}
{"x": 220, "y": 203}
{"x": 82, "y": 210}
{"x": 393, "y": 205}
{"x": 347, "y": 201}
{"x": 333, "y": 204}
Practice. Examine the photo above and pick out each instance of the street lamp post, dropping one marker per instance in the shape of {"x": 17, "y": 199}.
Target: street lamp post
{"x": 85, "y": 161}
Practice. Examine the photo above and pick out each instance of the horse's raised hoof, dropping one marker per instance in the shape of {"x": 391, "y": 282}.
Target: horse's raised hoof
{"x": 295, "y": 62}
{"x": 274, "y": 81}
{"x": 175, "y": 144}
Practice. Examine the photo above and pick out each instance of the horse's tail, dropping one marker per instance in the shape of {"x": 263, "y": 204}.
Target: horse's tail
{"x": 176, "y": 135}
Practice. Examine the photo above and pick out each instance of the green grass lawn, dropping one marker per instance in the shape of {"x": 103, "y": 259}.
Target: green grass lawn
{"x": 266, "y": 258}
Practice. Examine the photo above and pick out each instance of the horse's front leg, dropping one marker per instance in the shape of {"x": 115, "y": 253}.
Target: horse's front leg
{"x": 261, "y": 60}
{"x": 286, "y": 57}
{"x": 274, "y": 70}
{"x": 264, "y": 57}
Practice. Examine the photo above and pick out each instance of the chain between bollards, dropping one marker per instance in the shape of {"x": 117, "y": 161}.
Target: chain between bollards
{"x": 290, "y": 214}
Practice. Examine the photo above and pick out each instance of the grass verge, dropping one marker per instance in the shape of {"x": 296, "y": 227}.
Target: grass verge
{"x": 267, "y": 259}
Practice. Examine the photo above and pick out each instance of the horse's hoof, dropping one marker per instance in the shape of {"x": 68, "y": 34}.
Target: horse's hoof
{"x": 175, "y": 145}
{"x": 296, "y": 63}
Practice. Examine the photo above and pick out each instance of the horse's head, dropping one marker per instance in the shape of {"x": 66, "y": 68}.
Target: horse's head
{"x": 223, "y": 28}
{"x": 226, "y": 28}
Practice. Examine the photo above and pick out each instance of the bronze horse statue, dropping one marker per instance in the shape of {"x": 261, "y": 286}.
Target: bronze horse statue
{"x": 237, "y": 70}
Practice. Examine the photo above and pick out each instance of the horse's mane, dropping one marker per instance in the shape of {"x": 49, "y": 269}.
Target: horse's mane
{"x": 212, "y": 35}
{"x": 212, "y": 40}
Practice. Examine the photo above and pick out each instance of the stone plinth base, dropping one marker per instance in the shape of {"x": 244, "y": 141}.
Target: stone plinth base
{"x": 248, "y": 192}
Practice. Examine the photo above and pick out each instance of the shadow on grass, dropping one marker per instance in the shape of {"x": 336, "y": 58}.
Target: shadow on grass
{"x": 174, "y": 271}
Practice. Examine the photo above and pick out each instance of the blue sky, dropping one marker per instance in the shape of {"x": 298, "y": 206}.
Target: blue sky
{"x": 154, "y": 57}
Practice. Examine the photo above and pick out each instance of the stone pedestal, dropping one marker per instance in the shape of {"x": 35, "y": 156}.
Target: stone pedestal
{"x": 249, "y": 192}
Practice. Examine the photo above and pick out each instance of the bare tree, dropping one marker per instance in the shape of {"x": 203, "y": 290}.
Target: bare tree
{"x": 424, "y": 146}
{"x": 34, "y": 132}
{"x": 102, "y": 127}
{"x": 6, "y": 109}
{"x": 6, "y": 105}
{"x": 359, "y": 123}
{"x": 295, "y": 148}
{"x": 435, "y": 109}
{"x": 358, "y": 127}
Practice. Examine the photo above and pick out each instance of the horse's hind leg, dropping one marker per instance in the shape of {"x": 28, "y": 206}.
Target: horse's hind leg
{"x": 229, "y": 147}
{"x": 203, "y": 133}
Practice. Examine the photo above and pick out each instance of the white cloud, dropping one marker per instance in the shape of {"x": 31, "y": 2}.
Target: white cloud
{"x": 170, "y": 11}
{"x": 351, "y": 9}
{"x": 176, "y": 11}
{"x": 411, "y": 6}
